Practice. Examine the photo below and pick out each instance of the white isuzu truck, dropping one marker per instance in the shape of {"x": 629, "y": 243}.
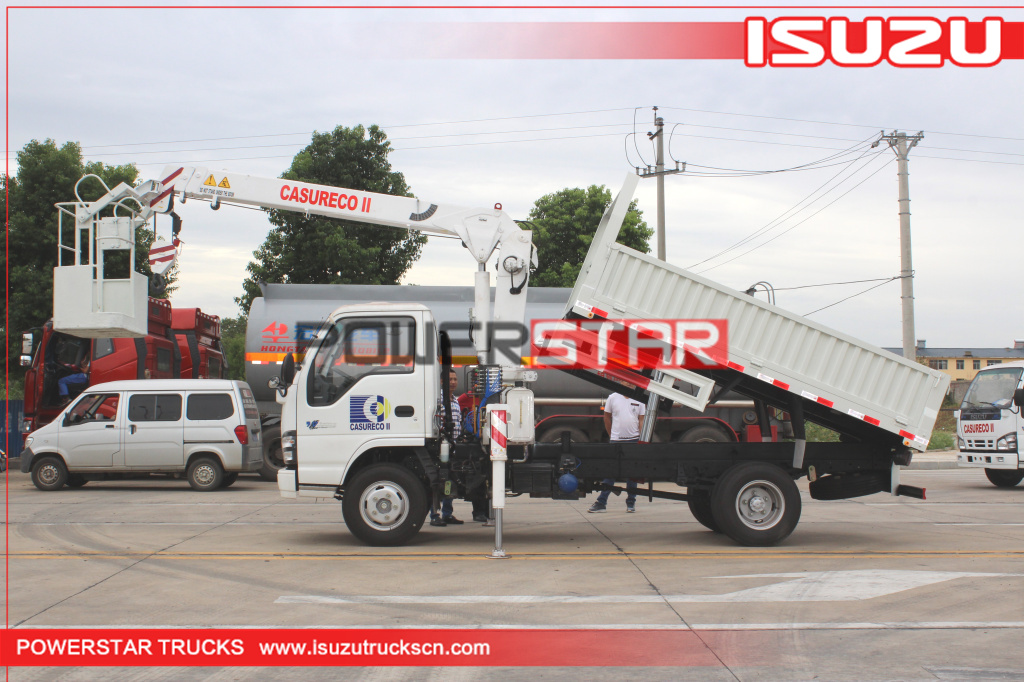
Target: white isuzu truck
{"x": 365, "y": 417}
{"x": 989, "y": 424}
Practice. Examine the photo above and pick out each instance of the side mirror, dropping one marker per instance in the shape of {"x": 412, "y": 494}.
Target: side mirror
{"x": 26, "y": 344}
{"x": 1018, "y": 397}
{"x": 26, "y": 360}
{"x": 288, "y": 369}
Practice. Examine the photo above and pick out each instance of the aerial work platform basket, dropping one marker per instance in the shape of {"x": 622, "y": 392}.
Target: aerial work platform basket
{"x": 96, "y": 291}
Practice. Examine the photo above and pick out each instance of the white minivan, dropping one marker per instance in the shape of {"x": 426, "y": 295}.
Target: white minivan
{"x": 205, "y": 429}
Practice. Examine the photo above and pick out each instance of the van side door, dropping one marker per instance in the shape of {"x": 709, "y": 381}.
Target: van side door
{"x": 89, "y": 433}
{"x": 155, "y": 431}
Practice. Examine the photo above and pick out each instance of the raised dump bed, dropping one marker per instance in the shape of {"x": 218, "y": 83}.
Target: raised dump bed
{"x": 782, "y": 358}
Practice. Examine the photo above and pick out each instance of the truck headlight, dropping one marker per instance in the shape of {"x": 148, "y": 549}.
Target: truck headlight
{"x": 28, "y": 441}
{"x": 960, "y": 444}
{"x": 1007, "y": 442}
{"x": 288, "y": 447}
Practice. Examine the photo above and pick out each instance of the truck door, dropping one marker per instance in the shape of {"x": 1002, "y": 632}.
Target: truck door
{"x": 363, "y": 388}
{"x": 155, "y": 431}
{"x": 90, "y": 433}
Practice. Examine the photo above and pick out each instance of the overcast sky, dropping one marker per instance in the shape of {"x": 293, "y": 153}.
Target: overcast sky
{"x": 241, "y": 90}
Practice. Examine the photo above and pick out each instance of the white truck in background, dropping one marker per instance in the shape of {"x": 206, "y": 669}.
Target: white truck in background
{"x": 365, "y": 417}
{"x": 989, "y": 425}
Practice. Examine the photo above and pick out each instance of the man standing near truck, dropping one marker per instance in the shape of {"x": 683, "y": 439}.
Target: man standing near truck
{"x": 623, "y": 420}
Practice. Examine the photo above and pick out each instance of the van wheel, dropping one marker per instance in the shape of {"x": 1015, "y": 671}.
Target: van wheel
{"x": 76, "y": 480}
{"x": 699, "y": 500}
{"x": 385, "y": 505}
{"x": 272, "y": 458}
{"x": 1004, "y": 478}
{"x": 205, "y": 473}
{"x": 229, "y": 479}
{"x": 49, "y": 473}
{"x": 756, "y": 504}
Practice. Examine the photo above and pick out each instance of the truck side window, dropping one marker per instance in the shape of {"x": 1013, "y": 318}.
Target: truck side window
{"x": 101, "y": 348}
{"x": 209, "y": 407}
{"x": 154, "y": 407}
{"x": 358, "y": 347}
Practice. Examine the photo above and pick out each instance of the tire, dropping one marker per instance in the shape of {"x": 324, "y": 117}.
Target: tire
{"x": 272, "y": 459}
{"x": 229, "y": 479}
{"x": 49, "y": 473}
{"x": 756, "y": 504}
{"x": 699, "y": 500}
{"x": 554, "y": 435}
{"x": 845, "y": 486}
{"x": 76, "y": 480}
{"x": 205, "y": 474}
{"x": 1004, "y": 478}
{"x": 385, "y": 505}
{"x": 705, "y": 434}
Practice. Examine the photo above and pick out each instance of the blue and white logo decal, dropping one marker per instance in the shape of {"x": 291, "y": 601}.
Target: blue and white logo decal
{"x": 369, "y": 413}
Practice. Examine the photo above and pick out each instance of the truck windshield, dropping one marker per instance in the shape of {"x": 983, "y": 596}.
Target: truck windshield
{"x": 992, "y": 388}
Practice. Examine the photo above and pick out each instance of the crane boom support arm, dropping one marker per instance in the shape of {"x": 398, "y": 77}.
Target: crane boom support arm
{"x": 480, "y": 230}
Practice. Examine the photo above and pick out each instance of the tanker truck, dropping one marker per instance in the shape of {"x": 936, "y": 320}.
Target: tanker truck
{"x": 286, "y": 318}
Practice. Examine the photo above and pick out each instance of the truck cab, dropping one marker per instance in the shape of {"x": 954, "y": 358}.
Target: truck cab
{"x": 989, "y": 424}
{"x": 366, "y": 393}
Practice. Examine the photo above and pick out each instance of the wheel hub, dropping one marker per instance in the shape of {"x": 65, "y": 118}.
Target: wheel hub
{"x": 384, "y": 505}
{"x": 760, "y": 504}
{"x": 48, "y": 474}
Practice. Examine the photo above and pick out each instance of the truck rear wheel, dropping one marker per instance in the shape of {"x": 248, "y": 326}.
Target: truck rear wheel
{"x": 704, "y": 434}
{"x": 756, "y": 504}
{"x": 384, "y": 505}
{"x": 49, "y": 473}
{"x": 699, "y": 500}
{"x": 1004, "y": 478}
{"x": 272, "y": 458}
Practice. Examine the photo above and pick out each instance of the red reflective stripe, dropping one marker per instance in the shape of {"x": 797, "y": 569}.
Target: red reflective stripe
{"x": 171, "y": 176}
{"x": 733, "y": 365}
{"x": 499, "y": 438}
{"x": 161, "y": 259}
{"x": 500, "y": 414}
{"x": 826, "y": 402}
{"x": 781, "y": 384}
{"x": 598, "y": 311}
{"x": 908, "y": 435}
{"x": 161, "y": 249}
{"x": 161, "y": 197}
{"x": 871, "y": 420}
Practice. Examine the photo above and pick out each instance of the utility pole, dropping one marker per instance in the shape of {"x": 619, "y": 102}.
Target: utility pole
{"x": 902, "y": 144}
{"x": 647, "y": 433}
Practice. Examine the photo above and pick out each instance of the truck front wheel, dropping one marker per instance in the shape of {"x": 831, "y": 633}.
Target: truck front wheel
{"x": 1004, "y": 478}
{"x": 272, "y": 459}
{"x": 384, "y": 505}
{"x": 756, "y": 504}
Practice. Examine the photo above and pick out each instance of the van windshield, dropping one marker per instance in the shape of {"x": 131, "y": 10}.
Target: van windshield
{"x": 992, "y": 388}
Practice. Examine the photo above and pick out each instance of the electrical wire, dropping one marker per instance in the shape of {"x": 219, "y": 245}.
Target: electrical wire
{"x": 795, "y": 209}
{"x": 793, "y": 227}
{"x": 832, "y": 284}
{"x": 842, "y": 300}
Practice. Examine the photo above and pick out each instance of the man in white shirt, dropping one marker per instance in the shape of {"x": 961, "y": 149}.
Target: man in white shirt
{"x": 623, "y": 420}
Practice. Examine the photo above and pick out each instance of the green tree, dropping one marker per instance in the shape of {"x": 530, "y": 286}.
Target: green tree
{"x": 564, "y": 224}
{"x": 310, "y": 249}
{"x": 232, "y": 338}
{"x": 46, "y": 175}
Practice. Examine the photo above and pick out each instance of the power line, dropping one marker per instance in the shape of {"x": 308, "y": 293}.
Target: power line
{"x": 790, "y": 212}
{"x": 790, "y": 229}
{"x": 832, "y": 284}
{"x": 893, "y": 279}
